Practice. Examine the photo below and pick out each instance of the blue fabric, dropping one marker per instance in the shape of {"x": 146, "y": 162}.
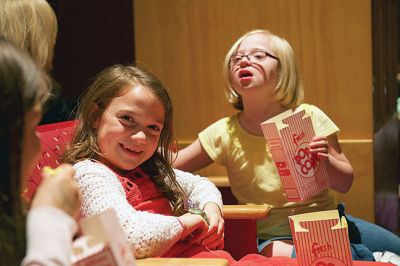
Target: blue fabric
{"x": 371, "y": 236}
{"x": 365, "y": 238}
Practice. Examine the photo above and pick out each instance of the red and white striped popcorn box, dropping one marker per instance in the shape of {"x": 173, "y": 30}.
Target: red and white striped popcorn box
{"x": 321, "y": 239}
{"x": 103, "y": 242}
{"x": 288, "y": 136}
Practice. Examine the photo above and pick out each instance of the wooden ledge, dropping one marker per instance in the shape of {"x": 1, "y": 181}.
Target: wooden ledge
{"x": 220, "y": 181}
{"x": 246, "y": 211}
{"x": 181, "y": 262}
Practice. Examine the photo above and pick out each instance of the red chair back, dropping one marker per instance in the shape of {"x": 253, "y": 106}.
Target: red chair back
{"x": 53, "y": 138}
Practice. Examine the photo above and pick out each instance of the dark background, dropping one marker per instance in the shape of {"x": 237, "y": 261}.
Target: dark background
{"x": 91, "y": 36}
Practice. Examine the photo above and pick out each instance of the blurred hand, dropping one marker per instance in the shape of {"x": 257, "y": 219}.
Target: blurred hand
{"x": 59, "y": 190}
{"x": 215, "y": 235}
{"x": 320, "y": 147}
{"x": 195, "y": 227}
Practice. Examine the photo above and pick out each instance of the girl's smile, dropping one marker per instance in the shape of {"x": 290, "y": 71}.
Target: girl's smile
{"x": 131, "y": 151}
{"x": 129, "y": 129}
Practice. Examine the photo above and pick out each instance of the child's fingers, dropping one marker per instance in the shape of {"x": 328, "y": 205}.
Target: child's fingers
{"x": 320, "y": 147}
{"x": 197, "y": 236}
{"x": 322, "y": 153}
{"x": 319, "y": 144}
{"x": 319, "y": 150}
{"x": 216, "y": 222}
{"x": 214, "y": 217}
{"x": 215, "y": 234}
{"x": 323, "y": 156}
{"x": 318, "y": 138}
{"x": 221, "y": 226}
{"x": 213, "y": 241}
{"x": 194, "y": 227}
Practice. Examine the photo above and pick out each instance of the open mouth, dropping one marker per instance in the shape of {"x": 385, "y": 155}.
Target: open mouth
{"x": 245, "y": 74}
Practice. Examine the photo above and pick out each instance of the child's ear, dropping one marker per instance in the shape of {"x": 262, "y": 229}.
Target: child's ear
{"x": 93, "y": 115}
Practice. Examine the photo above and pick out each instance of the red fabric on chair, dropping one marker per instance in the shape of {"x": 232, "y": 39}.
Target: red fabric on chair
{"x": 240, "y": 237}
{"x": 247, "y": 228}
{"x": 53, "y": 138}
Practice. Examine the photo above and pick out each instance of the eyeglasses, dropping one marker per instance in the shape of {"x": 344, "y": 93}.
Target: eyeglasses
{"x": 254, "y": 57}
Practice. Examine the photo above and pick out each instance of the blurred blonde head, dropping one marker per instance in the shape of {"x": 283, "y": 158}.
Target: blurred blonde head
{"x": 289, "y": 89}
{"x": 32, "y": 25}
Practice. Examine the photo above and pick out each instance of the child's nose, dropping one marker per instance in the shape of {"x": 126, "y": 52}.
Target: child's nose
{"x": 139, "y": 137}
{"x": 245, "y": 60}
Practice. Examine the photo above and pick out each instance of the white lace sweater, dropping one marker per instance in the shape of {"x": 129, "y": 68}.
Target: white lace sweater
{"x": 149, "y": 234}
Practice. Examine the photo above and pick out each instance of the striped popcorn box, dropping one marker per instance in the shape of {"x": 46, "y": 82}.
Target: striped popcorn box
{"x": 103, "y": 242}
{"x": 321, "y": 239}
{"x": 288, "y": 136}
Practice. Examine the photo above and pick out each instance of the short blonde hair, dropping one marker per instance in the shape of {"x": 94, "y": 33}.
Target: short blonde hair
{"x": 32, "y": 25}
{"x": 289, "y": 88}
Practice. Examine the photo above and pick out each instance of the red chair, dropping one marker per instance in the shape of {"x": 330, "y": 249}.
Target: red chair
{"x": 240, "y": 220}
{"x": 53, "y": 138}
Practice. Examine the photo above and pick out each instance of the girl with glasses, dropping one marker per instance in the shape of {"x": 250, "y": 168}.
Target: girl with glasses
{"x": 262, "y": 81}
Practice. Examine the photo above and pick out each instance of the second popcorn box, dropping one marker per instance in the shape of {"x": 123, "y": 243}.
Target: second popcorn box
{"x": 288, "y": 136}
{"x": 321, "y": 239}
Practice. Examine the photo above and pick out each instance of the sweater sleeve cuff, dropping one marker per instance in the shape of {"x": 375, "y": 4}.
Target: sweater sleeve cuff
{"x": 178, "y": 229}
{"x": 49, "y": 237}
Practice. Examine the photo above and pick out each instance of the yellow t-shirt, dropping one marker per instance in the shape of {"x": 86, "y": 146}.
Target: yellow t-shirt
{"x": 252, "y": 174}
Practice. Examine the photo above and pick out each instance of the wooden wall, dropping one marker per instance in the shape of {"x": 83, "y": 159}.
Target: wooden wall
{"x": 184, "y": 43}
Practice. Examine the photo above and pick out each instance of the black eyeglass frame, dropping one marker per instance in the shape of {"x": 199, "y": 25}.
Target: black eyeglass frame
{"x": 248, "y": 58}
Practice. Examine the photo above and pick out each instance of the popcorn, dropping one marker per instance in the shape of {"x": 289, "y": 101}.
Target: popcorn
{"x": 50, "y": 171}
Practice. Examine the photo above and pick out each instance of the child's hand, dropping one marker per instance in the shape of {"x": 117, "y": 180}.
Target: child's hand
{"x": 59, "y": 190}
{"x": 194, "y": 226}
{"x": 319, "y": 146}
{"x": 216, "y": 228}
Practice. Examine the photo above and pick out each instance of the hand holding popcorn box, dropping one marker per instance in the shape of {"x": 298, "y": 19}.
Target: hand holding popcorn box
{"x": 288, "y": 136}
{"x": 321, "y": 239}
{"x": 103, "y": 243}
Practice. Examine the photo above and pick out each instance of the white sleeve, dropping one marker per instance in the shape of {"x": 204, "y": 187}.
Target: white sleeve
{"x": 49, "y": 237}
{"x": 199, "y": 189}
{"x": 149, "y": 234}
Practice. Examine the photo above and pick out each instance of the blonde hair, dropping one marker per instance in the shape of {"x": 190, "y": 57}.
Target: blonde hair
{"x": 289, "y": 88}
{"x": 32, "y": 25}
{"x": 109, "y": 84}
